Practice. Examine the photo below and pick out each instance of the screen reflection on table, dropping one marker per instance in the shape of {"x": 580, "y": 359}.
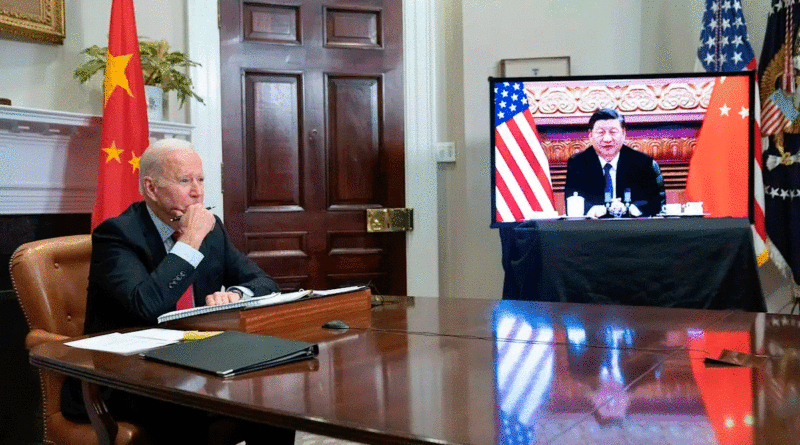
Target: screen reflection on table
{"x": 562, "y": 378}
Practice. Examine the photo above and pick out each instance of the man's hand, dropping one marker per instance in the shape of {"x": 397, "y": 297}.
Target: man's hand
{"x": 221, "y": 298}
{"x": 616, "y": 208}
{"x": 195, "y": 224}
{"x": 596, "y": 211}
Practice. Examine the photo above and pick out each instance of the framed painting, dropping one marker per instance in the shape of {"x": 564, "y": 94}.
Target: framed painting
{"x": 36, "y": 20}
{"x": 535, "y": 67}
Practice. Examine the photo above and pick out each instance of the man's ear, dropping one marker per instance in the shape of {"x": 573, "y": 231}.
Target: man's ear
{"x": 149, "y": 188}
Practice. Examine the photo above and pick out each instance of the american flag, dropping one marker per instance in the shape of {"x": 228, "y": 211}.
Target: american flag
{"x": 525, "y": 367}
{"x": 522, "y": 174}
{"x": 778, "y": 112}
{"x": 724, "y": 46}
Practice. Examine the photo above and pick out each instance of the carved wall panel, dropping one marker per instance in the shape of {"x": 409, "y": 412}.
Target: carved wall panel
{"x": 639, "y": 100}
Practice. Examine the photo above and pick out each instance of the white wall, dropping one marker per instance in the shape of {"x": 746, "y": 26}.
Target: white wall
{"x": 38, "y": 75}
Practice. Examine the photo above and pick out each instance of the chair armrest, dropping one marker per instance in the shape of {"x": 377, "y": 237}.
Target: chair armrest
{"x": 39, "y": 336}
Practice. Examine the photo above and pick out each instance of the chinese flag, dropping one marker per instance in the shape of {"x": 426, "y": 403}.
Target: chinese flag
{"x": 125, "y": 131}
{"x": 716, "y": 176}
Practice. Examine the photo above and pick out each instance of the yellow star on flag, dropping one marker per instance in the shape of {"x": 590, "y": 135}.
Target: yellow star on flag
{"x": 134, "y": 162}
{"x": 113, "y": 153}
{"x": 115, "y": 75}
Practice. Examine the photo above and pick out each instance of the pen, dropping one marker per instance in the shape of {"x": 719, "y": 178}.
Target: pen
{"x": 178, "y": 218}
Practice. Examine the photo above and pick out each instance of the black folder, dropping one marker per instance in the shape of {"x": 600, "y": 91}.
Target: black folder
{"x": 232, "y": 353}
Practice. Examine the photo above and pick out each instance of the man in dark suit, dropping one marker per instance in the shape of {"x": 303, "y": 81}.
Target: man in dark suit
{"x": 164, "y": 253}
{"x": 608, "y": 168}
{"x": 139, "y": 272}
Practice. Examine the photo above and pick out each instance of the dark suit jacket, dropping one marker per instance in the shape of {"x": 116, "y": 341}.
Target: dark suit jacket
{"x": 132, "y": 279}
{"x": 635, "y": 170}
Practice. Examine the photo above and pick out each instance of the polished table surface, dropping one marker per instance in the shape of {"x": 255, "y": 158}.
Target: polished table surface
{"x": 465, "y": 371}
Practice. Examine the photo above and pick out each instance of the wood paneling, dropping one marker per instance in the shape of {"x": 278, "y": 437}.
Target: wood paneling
{"x": 353, "y": 28}
{"x": 273, "y": 104}
{"x": 353, "y": 123}
{"x": 272, "y": 23}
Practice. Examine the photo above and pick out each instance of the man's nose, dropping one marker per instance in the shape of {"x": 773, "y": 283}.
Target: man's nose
{"x": 197, "y": 188}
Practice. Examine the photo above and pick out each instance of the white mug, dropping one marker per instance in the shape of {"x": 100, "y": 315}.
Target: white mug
{"x": 672, "y": 208}
{"x": 575, "y": 205}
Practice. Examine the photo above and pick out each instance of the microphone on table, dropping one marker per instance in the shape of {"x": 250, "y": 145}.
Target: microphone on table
{"x": 626, "y": 198}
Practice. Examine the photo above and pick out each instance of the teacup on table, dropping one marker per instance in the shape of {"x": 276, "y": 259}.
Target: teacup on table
{"x": 671, "y": 209}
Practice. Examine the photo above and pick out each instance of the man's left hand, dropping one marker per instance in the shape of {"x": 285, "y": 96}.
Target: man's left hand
{"x": 222, "y": 298}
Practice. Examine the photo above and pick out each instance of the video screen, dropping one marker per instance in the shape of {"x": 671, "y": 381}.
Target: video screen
{"x": 678, "y": 145}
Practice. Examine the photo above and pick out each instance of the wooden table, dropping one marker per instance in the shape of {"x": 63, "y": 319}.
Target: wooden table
{"x": 462, "y": 371}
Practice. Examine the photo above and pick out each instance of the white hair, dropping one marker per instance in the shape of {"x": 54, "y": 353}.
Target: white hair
{"x": 152, "y": 161}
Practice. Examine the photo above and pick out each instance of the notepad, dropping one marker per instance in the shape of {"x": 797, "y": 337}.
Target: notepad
{"x": 249, "y": 303}
{"x": 232, "y": 353}
{"x": 245, "y": 303}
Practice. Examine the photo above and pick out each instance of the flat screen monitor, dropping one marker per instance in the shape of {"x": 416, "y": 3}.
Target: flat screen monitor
{"x": 697, "y": 127}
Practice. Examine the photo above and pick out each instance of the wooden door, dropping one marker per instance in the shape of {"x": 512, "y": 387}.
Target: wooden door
{"x": 312, "y": 135}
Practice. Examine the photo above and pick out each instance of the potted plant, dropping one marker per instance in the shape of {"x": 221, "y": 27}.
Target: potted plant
{"x": 159, "y": 69}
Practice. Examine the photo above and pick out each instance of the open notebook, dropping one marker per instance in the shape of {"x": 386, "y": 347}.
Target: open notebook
{"x": 248, "y": 303}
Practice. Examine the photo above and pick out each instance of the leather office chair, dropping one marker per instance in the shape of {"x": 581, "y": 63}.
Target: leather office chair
{"x": 50, "y": 278}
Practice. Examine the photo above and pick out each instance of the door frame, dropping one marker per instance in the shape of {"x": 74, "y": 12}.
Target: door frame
{"x": 419, "y": 77}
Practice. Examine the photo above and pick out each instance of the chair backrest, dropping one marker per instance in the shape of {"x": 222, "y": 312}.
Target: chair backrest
{"x": 51, "y": 278}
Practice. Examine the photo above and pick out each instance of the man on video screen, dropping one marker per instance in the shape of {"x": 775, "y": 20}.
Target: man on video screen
{"x": 604, "y": 172}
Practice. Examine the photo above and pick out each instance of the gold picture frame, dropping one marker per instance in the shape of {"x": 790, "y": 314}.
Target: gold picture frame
{"x": 536, "y": 67}
{"x": 37, "y": 20}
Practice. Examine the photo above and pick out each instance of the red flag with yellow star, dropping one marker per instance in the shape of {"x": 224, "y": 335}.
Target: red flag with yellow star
{"x": 125, "y": 131}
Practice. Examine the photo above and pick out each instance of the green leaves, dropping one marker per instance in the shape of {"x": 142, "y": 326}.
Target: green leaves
{"x": 160, "y": 67}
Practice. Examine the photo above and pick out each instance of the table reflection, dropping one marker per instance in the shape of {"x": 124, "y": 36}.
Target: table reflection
{"x": 565, "y": 378}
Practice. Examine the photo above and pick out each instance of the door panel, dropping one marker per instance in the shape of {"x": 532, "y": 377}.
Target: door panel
{"x": 273, "y": 140}
{"x": 312, "y": 125}
{"x": 353, "y": 124}
{"x": 271, "y": 23}
{"x": 352, "y": 28}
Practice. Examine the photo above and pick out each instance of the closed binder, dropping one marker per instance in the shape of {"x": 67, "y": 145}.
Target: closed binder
{"x": 232, "y": 353}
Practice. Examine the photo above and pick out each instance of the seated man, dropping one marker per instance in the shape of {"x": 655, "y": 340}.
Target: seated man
{"x": 609, "y": 168}
{"x": 164, "y": 253}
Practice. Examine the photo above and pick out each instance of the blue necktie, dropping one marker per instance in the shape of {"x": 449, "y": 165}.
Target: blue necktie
{"x": 609, "y": 192}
